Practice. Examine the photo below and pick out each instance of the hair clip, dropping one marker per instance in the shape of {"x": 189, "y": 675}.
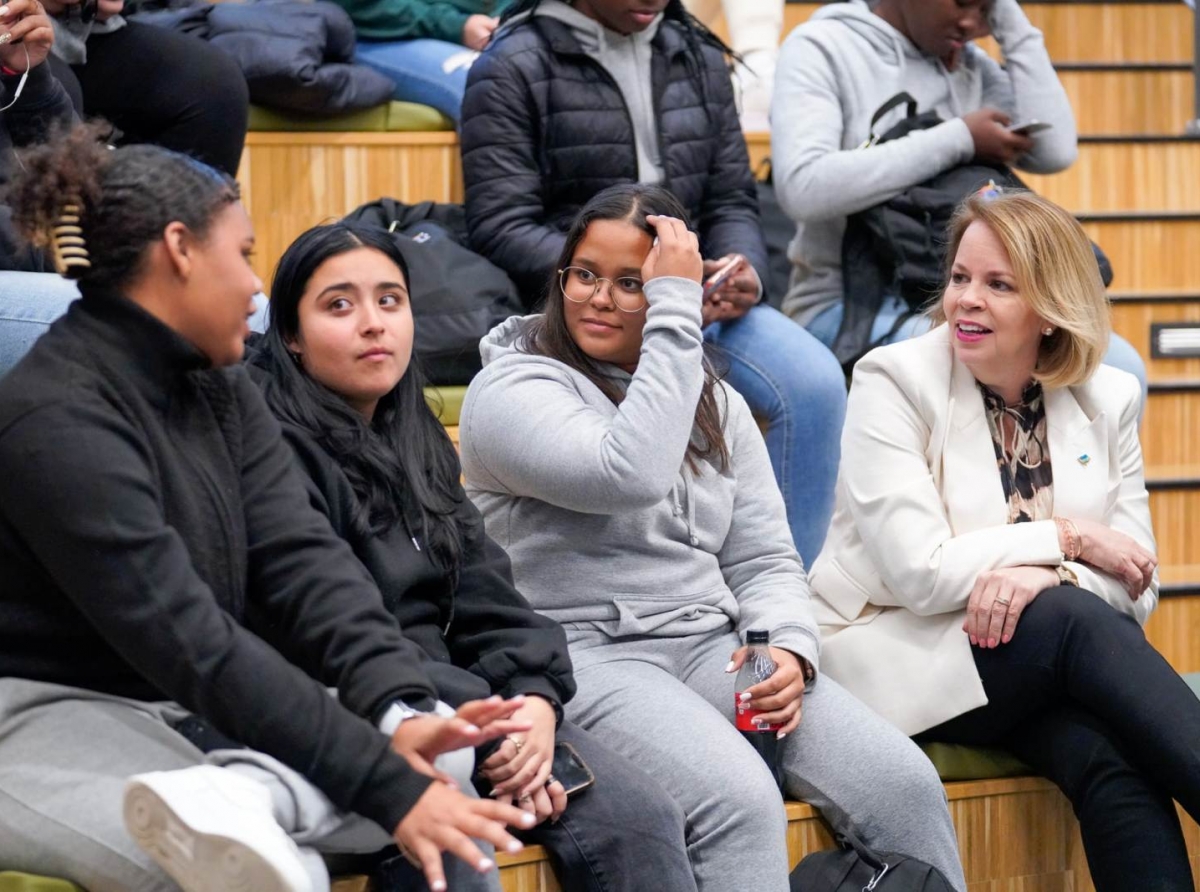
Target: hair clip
{"x": 990, "y": 191}
{"x": 67, "y": 244}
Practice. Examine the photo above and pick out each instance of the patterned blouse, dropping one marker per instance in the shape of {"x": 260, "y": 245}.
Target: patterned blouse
{"x": 1024, "y": 460}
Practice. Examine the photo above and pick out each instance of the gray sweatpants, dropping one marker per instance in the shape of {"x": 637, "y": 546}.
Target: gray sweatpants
{"x": 667, "y": 704}
{"x": 66, "y": 753}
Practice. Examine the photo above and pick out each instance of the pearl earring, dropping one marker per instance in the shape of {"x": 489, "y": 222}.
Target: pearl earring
{"x": 1047, "y": 331}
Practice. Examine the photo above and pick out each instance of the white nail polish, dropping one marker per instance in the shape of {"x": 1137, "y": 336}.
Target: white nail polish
{"x": 471, "y": 729}
{"x": 729, "y": 666}
{"x": 514, "y": 847}
{"x": 486, "y": 864}
{"x": 744, "y": 696}
{"x": 528, "y": 819}
{"x": 438, "y": 886}
{"x": 781, "y": 735}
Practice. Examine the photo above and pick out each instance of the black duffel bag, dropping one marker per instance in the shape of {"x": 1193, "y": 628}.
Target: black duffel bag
{"x": 898, "y": 247}
{"x": 855, "y": 867}
{"x": 458, "y": 296}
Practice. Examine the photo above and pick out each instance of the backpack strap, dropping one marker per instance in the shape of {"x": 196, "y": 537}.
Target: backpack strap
{"x": 901, "y": 98}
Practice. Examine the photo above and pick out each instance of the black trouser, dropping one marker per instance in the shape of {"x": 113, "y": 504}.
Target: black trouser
{"x": 163, "y": 87}
{"x": 1082, "y": 697}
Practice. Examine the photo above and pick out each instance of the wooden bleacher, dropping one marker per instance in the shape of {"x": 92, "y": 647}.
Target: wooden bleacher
{"x": 1136, "y": 186}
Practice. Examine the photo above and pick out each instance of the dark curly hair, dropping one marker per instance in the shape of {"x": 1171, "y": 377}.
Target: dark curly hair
{"x": 126, "y": 196}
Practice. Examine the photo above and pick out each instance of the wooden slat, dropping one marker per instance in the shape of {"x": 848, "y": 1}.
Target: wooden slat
{"x": 1171, "y": 436}
{"x": 1085, "y": 32}
{"x": 1126, "y": 176}
{"x": 1129, "y": 102}
{"x": 1133, "y": 320}
{"x": 1174, "y": 627}
{"x": 291, "y": 181}
{"x": 1176, "y": 515}
{"x": 1150, "y": 255}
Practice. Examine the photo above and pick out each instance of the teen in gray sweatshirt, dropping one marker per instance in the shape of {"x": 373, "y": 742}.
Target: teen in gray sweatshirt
{"x": 838, "y": 68}
{"x": 634, "y": 495}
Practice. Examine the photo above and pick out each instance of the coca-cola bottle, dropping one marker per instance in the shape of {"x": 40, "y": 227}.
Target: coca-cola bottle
{"x": 758, "y": 667}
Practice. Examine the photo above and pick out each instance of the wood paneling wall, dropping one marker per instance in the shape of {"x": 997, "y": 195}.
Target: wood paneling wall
{"x": 1127, "y": 177}
{"x": 291, "y": 181}
{"x": 1129, "y": 102}
{"x": 1174, "y": 627}
{"x": 1171, "y": 437}
{"x": 1133, "y": 320}
{"x": 1085, "y": 32}
{"x": 1151, "y": 255}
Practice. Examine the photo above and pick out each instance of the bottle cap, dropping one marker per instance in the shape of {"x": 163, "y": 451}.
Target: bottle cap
{"x": 758, "y": 636}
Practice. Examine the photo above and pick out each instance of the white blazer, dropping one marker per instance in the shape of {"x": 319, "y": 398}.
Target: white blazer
{"x": 921, "y": 512}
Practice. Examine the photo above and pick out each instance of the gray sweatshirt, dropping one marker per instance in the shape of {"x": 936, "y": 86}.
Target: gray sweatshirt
{"x": 835, "y": 71}
{"x": 627, "y": 59}
{"x": 607, "y": 527}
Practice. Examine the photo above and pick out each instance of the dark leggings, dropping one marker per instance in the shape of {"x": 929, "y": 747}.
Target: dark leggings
{"x": 1081, "y": 696}
{"x": 163, "y": 87}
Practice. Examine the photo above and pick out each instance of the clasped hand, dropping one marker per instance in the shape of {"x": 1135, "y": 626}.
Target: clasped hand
{"x": 443, "y": 818}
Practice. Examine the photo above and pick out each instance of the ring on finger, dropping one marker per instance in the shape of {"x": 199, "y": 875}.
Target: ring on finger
{"x": 551, "y": 779}
{"x": 1004, "y": 601}
{"x": 517, "y": 742}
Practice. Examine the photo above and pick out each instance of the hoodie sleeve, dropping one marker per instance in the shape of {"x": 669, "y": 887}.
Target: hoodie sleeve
{"x": 758, "y": 559}
{"x": 1028, "y": 89}
{"x": 527, "y": 430}
{"x": 815, "y": 178}
{"x": 406, "y": 19}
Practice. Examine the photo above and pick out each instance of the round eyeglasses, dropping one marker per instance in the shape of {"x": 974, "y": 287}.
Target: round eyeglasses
{"x": 580, "y": 285}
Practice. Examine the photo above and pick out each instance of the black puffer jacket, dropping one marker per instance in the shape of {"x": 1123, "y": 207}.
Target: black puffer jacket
{"x": 545, "y": 127}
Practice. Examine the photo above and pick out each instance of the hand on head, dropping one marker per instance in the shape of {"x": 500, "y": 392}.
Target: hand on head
{"x": 676, "y": 251}
{"x": 994, "y": 143}
{"x": 24, "y": 27}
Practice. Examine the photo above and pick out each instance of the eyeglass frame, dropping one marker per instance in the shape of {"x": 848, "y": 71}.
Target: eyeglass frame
{"x": 600, "y": 280}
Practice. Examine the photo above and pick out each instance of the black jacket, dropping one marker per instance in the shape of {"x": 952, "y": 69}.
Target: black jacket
{"x": 146, "y": 502}
{"x": 43, "y": 105}
{"x": 545, "y": 127}
{"x": 481, "y": 638}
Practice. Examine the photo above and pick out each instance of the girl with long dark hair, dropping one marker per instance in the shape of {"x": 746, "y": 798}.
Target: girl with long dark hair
{"x": 570, "y": 98}
{"x": 341, "y": 378}
{"x": 153, "y": 530}
{"x": 633, "y": 493}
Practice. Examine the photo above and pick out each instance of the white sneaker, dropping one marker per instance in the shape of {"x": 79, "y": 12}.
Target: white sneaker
{"x": 213, "y": 831}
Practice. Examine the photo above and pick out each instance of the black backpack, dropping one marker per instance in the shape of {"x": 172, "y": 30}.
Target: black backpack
{"x": 898, "y": 247}
{"x": 855, "y": 867}
{"x": 458, "y": 296}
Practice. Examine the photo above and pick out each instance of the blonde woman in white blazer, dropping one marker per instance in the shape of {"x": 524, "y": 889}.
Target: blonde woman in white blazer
{"x": 991, "y": 558}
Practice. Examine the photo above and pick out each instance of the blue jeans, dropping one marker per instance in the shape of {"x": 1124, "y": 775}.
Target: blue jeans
{"x": 824, "y": 327}
{"x": 430, "y": 72}
{"x": 791, "y": 381}
{"x": 29, "y": 302}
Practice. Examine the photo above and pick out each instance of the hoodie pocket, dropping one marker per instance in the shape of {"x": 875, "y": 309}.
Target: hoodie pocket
{"x": 686, "y": 615}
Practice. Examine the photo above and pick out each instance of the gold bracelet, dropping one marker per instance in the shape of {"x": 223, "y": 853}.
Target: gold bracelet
{"x": 1070, "y": 532}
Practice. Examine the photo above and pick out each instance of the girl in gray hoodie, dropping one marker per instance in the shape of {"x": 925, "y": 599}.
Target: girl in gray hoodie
{"x": 633, "y": 492}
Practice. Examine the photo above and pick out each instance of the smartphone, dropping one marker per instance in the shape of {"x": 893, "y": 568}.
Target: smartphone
{"x": 570, "y": 770}
{"x": 717, "y": 279}
{"x": 1029, "y": 128}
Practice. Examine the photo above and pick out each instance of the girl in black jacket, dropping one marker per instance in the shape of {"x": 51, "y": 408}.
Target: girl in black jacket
{"x": 152, "y": 525}
{"x": 340, "y": 376}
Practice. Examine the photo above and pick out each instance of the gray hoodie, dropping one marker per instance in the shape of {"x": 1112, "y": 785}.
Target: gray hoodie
{"x": 607, "y": 527}
{"x": 627, "y": 59}
{"x": 835, "y": 71}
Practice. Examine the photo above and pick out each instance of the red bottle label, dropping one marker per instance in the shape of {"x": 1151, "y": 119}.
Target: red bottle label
{"x": 744, "y": 715}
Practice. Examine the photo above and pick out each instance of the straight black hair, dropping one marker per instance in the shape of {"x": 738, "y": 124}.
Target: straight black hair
{"x": 402, "y": 466}
{"x": 549, "y": 335}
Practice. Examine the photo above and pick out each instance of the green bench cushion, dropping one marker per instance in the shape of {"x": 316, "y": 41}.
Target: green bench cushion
{"x": 24, "y": 882}
{"x": 446, "y": 403}
{"x": 391, "y": 117}
{"x": 955, "y": 762}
